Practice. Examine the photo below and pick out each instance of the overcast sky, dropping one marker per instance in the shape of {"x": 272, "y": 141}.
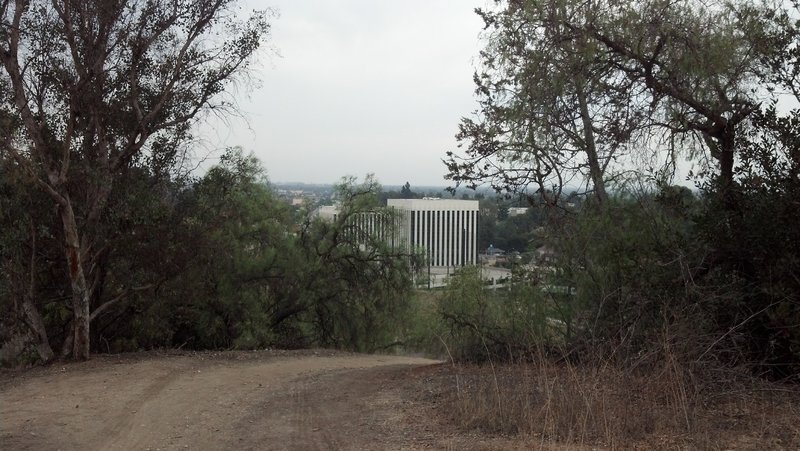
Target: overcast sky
{"x": 359, "y": 86}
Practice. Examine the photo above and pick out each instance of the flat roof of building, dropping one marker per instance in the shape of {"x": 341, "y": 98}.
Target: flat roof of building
{"x": 434, "y": 204}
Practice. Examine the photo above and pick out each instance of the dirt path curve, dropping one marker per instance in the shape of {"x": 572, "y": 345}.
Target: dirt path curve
{"x": 311, "y": 400}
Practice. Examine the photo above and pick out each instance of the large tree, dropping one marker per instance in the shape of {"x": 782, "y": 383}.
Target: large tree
{"x": 699, "y": 61}
{"x": 566, "y": 84}
{"x": 91, "y": 86}
{"x": 553, "y": 107}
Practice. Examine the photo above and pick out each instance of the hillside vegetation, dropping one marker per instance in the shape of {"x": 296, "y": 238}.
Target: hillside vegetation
{"x": 650, "y": 141}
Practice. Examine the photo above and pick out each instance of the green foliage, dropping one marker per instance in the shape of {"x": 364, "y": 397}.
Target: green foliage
{"x": 100, "y": 95}
{"x": 215, "y": 263}
{"x": 631, "y": 265}
{"x": 649, "y": 278}
{"x": 756, "y": 249}
{"x": 30, "y": 255}
{"x": 359, "y": 279}
{"x": 242, "y": 249}
{"x": 657, "y": 270}
{"x": 476, "y": 322}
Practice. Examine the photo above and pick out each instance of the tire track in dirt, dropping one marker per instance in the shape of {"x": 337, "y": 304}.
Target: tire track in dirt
{"x": 121, "y": 432}
{"x": 295, "y": 402}
{"x": 342, "y": 409}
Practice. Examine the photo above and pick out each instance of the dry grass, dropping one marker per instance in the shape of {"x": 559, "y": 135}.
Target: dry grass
{"x": 546, "y": 404}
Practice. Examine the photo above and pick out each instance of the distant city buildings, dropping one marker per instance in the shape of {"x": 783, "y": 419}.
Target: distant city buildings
{"x": 303, "y": 195}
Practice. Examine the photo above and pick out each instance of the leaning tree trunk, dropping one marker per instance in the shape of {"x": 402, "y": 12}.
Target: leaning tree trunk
{"x": 80, "y": 290}
{"x": 595, "y": 169}
{"x": 34, "y": 322}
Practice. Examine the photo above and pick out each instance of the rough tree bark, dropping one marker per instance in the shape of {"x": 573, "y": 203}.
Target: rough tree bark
{"x": 80, "y": 291}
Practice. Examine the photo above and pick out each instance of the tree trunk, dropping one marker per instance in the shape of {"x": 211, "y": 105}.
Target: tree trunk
{"x": 595, "y": 169}
{"x": 66, "y": 347}
{"x": 726, "y": 162}
{"x": 80, "y": 290}
{"x": 721, "y": 143}
{"x": 31, "y": 314}
{"x": 34, "y": 322}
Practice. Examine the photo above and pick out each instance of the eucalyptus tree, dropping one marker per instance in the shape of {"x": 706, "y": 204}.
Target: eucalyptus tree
{"x": 92, "y": 86}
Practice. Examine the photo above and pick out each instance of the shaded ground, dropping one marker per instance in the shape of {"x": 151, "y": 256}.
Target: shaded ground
{"x": 237, "y": 400}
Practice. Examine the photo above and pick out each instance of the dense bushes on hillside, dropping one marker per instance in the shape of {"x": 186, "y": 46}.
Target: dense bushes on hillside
{"x": 213, "y": 263}
{"x": 640, "y": 281}
{"x": 609, "y": 96}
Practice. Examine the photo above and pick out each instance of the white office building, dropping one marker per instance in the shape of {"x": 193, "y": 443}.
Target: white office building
{"x": 445, "y": 229}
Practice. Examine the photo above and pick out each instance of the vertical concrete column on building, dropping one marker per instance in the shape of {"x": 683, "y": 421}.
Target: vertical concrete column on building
{"x": 415, "y": 225}
{"x": 435, "y": 231}
{"x": 429, "y": 214}
{"x": 456, "y": 236}
{"x": 431, "y": 235}
{"x": 453, "y": 237}
{"x": 467, "y": 237}
{"x": 434, "y": 238}
{"x": 451, "y": 247}
{"x": 424, "y": 225}
{"x": 442, "y": 238}
{"x": 459, "y": 239}
{"x": 464, "y": 246}
{"x": 474, "y": 232}
{"x": 426, "y": 235}
{"x": 468, "y": 246}
{"x": 426, "y": 232}
{"x": 470, "y": 234}
{"x": 448, "y": 232}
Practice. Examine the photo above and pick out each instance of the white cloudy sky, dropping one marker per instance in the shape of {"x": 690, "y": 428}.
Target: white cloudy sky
{"x": 360, "y": 86}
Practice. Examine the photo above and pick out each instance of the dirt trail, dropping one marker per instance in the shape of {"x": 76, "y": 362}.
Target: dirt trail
{"x": 216, "y": 401}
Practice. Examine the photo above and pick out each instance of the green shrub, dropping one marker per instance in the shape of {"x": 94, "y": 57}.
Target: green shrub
{"x": 479, "y": 323}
